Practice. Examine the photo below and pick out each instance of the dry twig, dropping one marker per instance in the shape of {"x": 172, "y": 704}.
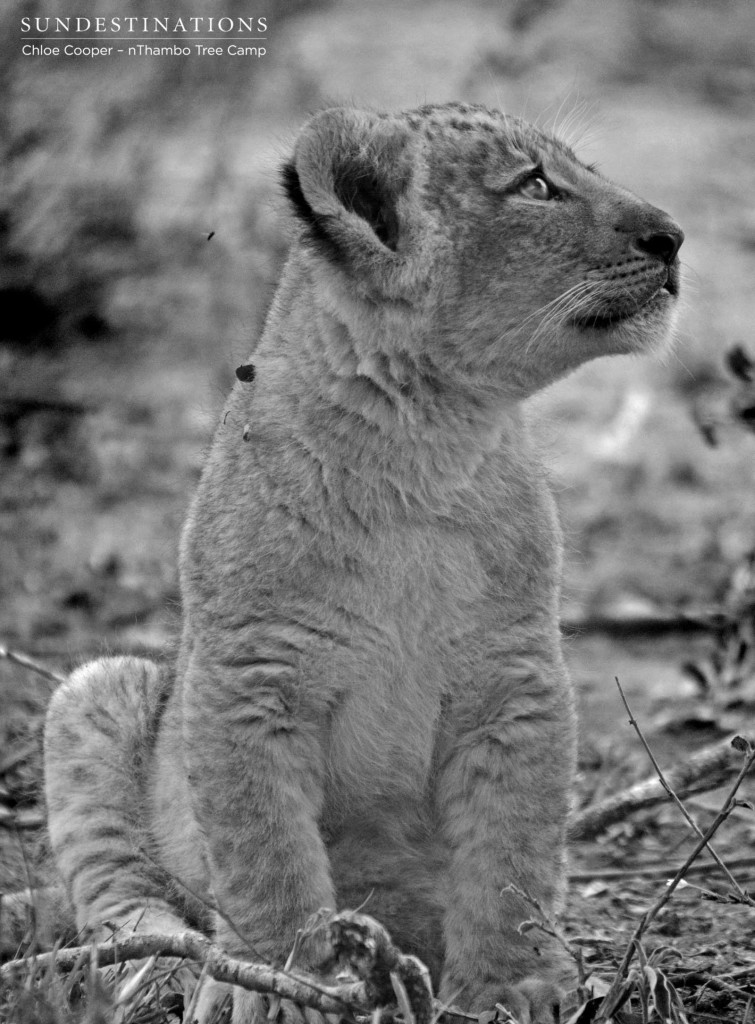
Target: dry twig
{"x": 34, "y": 666}
{"x": 356, "y": 940}
{"x": 655, "y": 870}
{"x": 741, "y": 894}
{"x": 615, "y": 994}
{"x": 705, "y": 770}
{"x": 191, "y": 945}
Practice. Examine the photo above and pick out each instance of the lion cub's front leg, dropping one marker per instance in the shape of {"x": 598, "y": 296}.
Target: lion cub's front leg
{"x": 504, "y": 798}
{"x": 255, "y": 765}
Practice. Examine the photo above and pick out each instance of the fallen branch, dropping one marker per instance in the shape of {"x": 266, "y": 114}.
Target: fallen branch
{"x": 705, "y": 770}
{"x": 741, "y": 894}
{"x": 190, "y": 945}
{"x": 659, "y": 870}
{"x": 357, "y": 940}
{"x": 616, "y": 993}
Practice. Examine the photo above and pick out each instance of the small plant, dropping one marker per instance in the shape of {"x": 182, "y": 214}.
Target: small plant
{"x": 725, "y": 679}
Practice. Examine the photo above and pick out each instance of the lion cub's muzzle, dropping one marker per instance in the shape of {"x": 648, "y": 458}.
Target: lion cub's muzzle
{"x": 663, "y": 244}
{"x": 655, "y": 237}
{"x": 640, "y": 267}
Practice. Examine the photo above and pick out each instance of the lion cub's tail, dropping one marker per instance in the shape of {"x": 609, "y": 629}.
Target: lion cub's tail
{"x": 99, "y": 737}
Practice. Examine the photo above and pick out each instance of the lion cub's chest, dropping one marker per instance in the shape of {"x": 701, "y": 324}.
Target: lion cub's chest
{"x": 449, "y": 587}
{"x": 440, "y": 600}
{"x": 409, "y": 614}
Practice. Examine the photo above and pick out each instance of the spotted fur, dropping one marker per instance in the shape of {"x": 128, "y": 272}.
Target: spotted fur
{"x": 370, "y": 701}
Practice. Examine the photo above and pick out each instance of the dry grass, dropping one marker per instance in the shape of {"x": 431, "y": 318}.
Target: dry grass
{"x": 643, "y": 983}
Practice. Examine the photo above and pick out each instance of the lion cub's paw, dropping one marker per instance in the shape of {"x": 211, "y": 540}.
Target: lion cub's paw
{"x": 532, "y": 1001}
{"x": 213, "y": 1004}
{"x": 253, "y": 1008}
{"x": 219, "y": 1002}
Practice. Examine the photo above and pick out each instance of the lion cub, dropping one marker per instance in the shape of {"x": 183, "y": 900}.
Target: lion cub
{"x": 370, "y": 701}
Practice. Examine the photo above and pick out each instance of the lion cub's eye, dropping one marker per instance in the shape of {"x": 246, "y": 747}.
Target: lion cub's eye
{"x": 536, "y": 187}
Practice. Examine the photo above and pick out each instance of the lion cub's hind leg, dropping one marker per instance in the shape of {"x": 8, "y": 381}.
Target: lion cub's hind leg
{"x": 99, "y": 735}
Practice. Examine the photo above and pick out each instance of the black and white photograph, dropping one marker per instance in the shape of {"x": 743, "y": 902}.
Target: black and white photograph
{"x": 377, "y": 512}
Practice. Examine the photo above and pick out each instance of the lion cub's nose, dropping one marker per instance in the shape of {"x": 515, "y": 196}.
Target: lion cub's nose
{"x": 663, "y": 244}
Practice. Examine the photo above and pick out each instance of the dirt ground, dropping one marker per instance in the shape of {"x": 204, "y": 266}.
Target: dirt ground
{"x": 142, "y": 231}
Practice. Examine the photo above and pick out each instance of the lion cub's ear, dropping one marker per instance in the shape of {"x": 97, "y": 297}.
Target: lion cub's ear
{"x": 348, "y": 173}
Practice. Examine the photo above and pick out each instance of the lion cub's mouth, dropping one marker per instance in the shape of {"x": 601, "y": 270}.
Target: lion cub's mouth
{"x": 605, "y": 320}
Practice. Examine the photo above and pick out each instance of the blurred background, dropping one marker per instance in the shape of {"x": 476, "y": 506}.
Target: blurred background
{"x": 142, "y": 230}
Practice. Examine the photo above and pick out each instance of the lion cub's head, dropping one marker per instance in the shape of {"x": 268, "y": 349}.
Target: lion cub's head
{"x": 479, "y": 244}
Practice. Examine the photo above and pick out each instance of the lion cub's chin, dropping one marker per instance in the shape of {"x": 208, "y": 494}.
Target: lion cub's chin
{"x": 651, "y": 330}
